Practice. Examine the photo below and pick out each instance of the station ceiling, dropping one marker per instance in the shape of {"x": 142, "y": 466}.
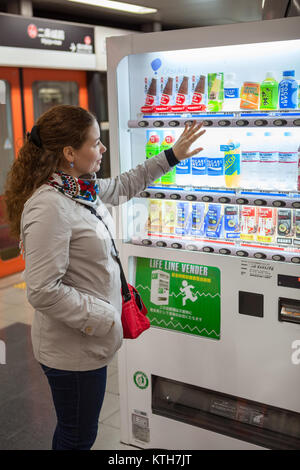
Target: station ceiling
{"x": 171, "y": 14}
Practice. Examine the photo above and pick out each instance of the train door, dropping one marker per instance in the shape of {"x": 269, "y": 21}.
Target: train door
{"x": 46, "y": 88}
{"x": 40, "y": 90}
{"x": 11, "y": 139}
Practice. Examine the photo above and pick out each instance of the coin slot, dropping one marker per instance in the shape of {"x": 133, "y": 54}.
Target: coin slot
{"x": 251, "y": 303}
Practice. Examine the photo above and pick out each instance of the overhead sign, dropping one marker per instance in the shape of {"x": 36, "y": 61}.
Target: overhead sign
{"x": 37, "y": 33}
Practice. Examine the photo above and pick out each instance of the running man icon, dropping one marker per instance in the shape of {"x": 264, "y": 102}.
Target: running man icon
{"x": 186, "y": 290}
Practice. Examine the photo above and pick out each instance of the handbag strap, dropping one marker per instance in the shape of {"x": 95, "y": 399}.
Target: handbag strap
{"x": 125, "y": 290}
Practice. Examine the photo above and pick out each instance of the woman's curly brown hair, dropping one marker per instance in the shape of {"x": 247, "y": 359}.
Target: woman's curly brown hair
{"x": 58, "y": 127}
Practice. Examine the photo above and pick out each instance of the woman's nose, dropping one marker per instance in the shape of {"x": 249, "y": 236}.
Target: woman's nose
{"x": 103, "y": 148}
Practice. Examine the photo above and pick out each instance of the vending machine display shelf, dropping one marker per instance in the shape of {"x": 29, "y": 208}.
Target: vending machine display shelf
{"x": 219, "y": 120}
{"x": 220, "y": 247}
{"x": 223, "y": 196}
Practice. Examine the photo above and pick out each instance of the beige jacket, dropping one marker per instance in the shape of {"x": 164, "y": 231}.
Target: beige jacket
{"x": 72, "y": 278}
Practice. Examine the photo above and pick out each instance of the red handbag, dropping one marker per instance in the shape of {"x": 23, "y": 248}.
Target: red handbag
{"x": 134, "y": 319}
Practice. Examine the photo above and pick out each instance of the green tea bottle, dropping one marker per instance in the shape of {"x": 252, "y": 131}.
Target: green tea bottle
{"x": 152, "y": 147}
{"x": 269, "y": 93}
{"x": 168, "y": 141}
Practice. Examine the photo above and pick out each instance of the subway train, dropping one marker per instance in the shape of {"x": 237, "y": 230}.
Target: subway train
{"x": 44, "y": 63}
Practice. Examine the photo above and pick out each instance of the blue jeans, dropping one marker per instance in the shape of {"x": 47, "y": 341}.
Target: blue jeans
{"x": 78, "y": 398}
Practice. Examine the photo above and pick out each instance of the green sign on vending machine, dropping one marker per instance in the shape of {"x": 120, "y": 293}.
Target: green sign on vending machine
{"x": 180, "y": 296}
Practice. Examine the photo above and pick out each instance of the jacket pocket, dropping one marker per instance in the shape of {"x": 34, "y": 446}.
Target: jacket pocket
{"x": 104, "y": 347}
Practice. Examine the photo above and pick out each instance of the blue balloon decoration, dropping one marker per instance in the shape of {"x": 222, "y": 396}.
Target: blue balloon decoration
{"x": 155, "y": 64}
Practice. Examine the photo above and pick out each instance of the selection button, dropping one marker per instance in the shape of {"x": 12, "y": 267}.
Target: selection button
{"x": 224, "y": 200}
{"x": 207, "y": 199}
{"x": 242, "y": 253}
{"x": 160, "y": 195}
{"x": 224, "y": 123}
{"x": 242, "y": 123}
{"x": 278, "y": 203}
{"x": 260, "y": 202}
{"x": 145, "y": 194}
{"x": 176, "y": 245}
{"x": 260, "y": 122}
{"x": 280, "y": 122}
{"x": 208, "y": 249}
{"x": 242, "y": 200}
{"x": 260, "y": 255}
{"x": 224, "y": 251}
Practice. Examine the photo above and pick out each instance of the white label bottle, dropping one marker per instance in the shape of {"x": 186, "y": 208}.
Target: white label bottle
{"x": 287, "y": 162}
{"x": 268, "y": 162}
{"x": 231, "y": 93}
{"x": 250, "y": 162}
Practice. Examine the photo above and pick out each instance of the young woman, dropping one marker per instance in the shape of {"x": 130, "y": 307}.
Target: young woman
{"x": 72, "y": 277}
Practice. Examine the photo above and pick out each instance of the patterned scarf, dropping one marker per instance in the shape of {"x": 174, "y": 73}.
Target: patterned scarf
{"x": 85, "y": 190}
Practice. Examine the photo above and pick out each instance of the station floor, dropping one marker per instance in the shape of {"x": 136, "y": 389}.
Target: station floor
{"x": 27, "y": 414}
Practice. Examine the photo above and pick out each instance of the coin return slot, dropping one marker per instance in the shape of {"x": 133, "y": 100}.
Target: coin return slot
{"x": 289, "y": 310}
{"x": 230, "y": 415}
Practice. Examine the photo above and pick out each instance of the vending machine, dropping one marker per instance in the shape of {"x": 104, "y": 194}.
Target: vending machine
{"x": 213, "y": 246}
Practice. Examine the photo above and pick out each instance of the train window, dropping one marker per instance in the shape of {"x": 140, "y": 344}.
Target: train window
{"x": 6, "y": 133}
{"x": 8, "y": 247}
{"x": 51, "y": 93}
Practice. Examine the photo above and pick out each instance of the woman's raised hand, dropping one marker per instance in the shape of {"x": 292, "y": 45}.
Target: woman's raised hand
{"x": 191, "y": 133}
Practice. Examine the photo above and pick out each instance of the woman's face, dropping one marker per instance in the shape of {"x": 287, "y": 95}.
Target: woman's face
{"x": 88, "y": 158}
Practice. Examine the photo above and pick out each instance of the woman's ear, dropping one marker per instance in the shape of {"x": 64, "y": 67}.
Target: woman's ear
{"x": 69, "y": 153}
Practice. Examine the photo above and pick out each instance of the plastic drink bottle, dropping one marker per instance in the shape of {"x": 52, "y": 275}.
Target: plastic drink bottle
{"x": 154, "y": 216}
{"x": 199, "y": 170}
{"x": 232, "y": 164}
{"x": 183, "y": 172}
{"x": 215, "y": 168}
{"x": 268, "y": 162}
{"x": 215, "y": 91}
{"x": 168, "y": 217}
{"x": 182, "y": 218}
{"x": 231, "y": 93}
{"x": 249, "y": 162}
{"x": 151, "y": 93}
{"x": 298, "y": 188}
{"x": 288, "y": 91}
{"x": 197, "y": 222}
{"x": 167, "y": 92}
{"x": 168, "y": 141}
{"x": 198, "y": 102}
{"x": 152, "y": 147}
{"x": 288, "y": 163}
{"x": 269, "y": 92}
